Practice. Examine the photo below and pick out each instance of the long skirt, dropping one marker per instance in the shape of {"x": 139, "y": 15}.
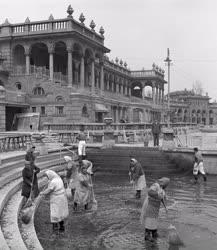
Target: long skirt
{"x": 198, "y": 168}
{"x": 150, "y": 213}
{"x": 82, "y": 195}
{"x": 140, "y": 184}
{"x": 58, "y": 207}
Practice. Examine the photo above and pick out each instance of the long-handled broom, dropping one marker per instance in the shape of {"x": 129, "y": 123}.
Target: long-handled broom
{"x": 173, "y": 235}
{"x": 28, "y": 208}
{"x": 93, "y": 199}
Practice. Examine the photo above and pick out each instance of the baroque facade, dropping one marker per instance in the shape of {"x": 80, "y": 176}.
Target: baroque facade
{"x": 60, "y": 69}
{"x": 186, "y": 106}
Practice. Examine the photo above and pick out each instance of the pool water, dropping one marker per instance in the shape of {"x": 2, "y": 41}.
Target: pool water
{"x": 192, "y": 209}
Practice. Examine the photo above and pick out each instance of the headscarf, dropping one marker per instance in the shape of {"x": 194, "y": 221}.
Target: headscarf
{"x": 51, "y": 175}
{"x": 67, "y": 158}
{"x": 163, "y": 182}
{"x": 133, "y": 160}
{"x": 87, "y": 165}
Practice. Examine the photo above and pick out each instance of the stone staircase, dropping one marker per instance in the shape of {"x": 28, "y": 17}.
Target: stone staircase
{"x": 117, "y": 159}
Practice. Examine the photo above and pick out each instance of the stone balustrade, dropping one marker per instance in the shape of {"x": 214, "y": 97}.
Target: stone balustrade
{"x": 102, "y": 126}
{"x": 146, "y": 73}
{"x": 51, "y": 26}
{"x": 14, "y": 142}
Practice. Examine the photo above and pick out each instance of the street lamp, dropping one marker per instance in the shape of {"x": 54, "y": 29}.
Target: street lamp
{"x": 168, "y": 63}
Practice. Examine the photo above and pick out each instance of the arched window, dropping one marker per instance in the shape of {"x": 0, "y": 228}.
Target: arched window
{"x": 38, "y": 91}
{"x": 18, "y": 85}
{"x": 84, "y": 110}
{"x": 59, "y": 99}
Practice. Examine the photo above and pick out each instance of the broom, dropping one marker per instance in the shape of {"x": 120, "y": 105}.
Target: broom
{"x": 93, "y": 199}
{"x": 173, "y": 235}
{"x": 28, "y": 208}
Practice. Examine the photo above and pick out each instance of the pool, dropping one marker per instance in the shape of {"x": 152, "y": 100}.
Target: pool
{"x": 192, "y": 209}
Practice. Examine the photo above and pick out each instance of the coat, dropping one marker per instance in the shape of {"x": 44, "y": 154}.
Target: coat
{"x": 156, "y": 128}
{"x": 135, "y": 170}
{"x": 28, "y": 172}
{"x": 58, "y": 200}
{"x": 83, "y": 190}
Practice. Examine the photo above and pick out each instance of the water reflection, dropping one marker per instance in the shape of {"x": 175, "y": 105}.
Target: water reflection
{"x": 192, "y": 209}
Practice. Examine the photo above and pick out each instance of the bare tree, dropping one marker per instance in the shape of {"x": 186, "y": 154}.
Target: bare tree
{"x": 197, "y": 88}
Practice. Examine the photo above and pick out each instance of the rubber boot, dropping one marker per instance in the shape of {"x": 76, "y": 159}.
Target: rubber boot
{"x": 86, "y": 206}
{"x": 204, "y": 178}
{"x": 62, "y": 227}
{"x": 195, "y": 179}
{"x": 154, "y": 234}
{"x": 55, "y": 230}
{"x": 72, "y": 192}
{"x": 138, "y": 194}
{"x": 75, "y": 207}
{"x": 148, "y": 235}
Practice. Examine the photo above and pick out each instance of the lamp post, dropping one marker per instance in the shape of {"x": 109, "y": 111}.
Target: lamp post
{"x": 168, "y": 63}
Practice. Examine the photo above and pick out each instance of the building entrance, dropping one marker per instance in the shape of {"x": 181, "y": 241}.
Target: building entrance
{"x": 9, "y": 116}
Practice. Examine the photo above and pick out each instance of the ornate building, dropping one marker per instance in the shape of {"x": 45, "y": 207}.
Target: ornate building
{"x": 59, "y": 68}
{"x": 186, "y": 106}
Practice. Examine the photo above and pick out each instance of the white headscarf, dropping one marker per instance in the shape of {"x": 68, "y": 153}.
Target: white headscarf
{"x": 51, "y": 174}
{"x": 67, "y": 158}
{"x": 55, "y": 181}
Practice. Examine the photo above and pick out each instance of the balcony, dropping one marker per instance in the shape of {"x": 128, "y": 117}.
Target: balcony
{"x": 66, "y": 25}
{"x": 139, "y": 74}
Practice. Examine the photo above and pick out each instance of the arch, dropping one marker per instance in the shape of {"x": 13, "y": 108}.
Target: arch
{"x": 88, "y": 58}
{"x": 39, "y": 55}
{"x": 147, "y": 91}
{"x": 59, "y": 99}
{"x": 185, "y": 118}
{"x": 84, "y": 110}
{"x": 136, "y": 89}
{"x": 38, "y": 91}
{"x": 60, "y": 57}
{"x": 198, "y": 116}
{"x": 88, "y": 53}
{"x": 19, "y": 55}
{"x": 204, "y": 113}
{"x": 193, "y": 116}
{"x": 18, "y": 85}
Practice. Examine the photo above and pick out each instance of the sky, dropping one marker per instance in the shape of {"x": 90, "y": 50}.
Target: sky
{"x": 140, "y": 31}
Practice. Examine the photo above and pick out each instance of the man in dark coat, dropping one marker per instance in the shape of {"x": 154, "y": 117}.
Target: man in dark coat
{"x": 30, "y": 180}
{"x": 156, "y": 130}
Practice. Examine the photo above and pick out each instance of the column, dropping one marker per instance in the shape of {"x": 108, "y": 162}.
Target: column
{"x": 82, "y": 72}
{"x": 27, "y": 64}
{"x": 69, "y": 68}
{"x": 51, "y": 65}
{"x": 102, "y": 78}
{"x": 143, "y": 92}
{"x": 129, "y": 91}
{"x": 76, "y": 69}
{"x": 162, "y": 92}
{"x": 92, "y": 77}
{"x": 153, "y": 94}
{"x": 159, "y": 96}
{"x": 156, "y": 96}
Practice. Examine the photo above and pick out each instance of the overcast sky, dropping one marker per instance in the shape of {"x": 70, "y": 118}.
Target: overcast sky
{"x": 140, "y": 31}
